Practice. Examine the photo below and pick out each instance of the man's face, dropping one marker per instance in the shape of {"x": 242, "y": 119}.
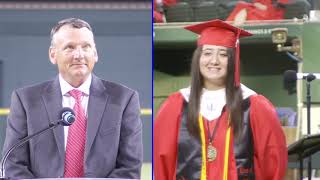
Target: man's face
{"x": 74, "y": 51}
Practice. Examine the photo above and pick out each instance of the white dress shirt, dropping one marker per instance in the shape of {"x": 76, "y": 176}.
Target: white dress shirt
{"x": 69, "y": 101}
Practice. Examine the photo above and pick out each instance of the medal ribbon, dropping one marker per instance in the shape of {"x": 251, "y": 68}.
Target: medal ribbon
{"x": 211, "y": 136}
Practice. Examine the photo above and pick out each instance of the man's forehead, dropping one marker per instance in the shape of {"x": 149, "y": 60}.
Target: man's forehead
{"x": 69, "y": 28}
{"x": 67, "y": 32}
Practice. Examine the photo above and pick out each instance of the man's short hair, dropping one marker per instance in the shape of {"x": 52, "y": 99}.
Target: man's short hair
{"x": 73, "y": 22}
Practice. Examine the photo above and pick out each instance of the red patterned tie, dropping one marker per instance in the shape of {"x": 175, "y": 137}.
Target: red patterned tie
{"x": 74, "y": 160}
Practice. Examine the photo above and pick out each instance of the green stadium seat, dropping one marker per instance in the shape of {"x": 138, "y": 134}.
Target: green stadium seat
{"x": 211, "y": 10}
{"x": 297, "y": 9}
{"x": 181, "y": 12}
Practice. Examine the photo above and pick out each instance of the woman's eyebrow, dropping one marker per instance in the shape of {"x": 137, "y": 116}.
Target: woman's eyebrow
{"x": 222, "y": 50}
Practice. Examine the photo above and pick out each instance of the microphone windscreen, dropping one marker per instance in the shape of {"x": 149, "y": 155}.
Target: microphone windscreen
{"x": 289, "y": 81}
{"x": 67, "y": 116}
{"x": 290, "y": 76}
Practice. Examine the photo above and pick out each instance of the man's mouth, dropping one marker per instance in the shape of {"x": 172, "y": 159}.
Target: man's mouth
{"x": 78, "y": 65}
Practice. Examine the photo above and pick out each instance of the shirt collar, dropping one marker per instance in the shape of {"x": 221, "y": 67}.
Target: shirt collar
{"x": 66, "y": 87}
{"x": 220, "y": 93}
{"x": 212, "y": 102}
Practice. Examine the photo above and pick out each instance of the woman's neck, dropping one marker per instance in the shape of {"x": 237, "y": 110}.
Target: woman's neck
{"x": 213, "y": 86}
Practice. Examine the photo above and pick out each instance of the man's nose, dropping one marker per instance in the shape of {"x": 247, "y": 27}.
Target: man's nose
{"x": 78, "y": 53}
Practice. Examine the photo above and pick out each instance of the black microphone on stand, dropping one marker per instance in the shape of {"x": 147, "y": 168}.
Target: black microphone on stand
{"x": 290, "y": 77}
{"x": 67, "y": 118}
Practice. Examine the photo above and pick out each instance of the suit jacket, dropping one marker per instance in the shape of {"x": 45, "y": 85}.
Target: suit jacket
{"x": 113, "y": 140}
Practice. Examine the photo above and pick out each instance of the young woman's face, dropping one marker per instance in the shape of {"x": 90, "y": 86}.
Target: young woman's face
{"x": 213, "y": 66}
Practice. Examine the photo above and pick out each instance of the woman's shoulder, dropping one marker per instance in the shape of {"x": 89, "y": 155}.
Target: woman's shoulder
{"x": 260, "y": 100}
{"x": 169, "y": 112}
{"x": 174, "y": 100}
{"x": 263, "y": 110}
{"x": 176, "y": 95}
{"x": 254, "y": 97}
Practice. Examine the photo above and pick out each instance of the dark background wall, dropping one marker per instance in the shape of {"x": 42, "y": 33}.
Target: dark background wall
{"x": 123, "y": 39}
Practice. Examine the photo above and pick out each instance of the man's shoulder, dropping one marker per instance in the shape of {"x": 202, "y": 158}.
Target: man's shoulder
{"x": 116, "y": 87}
{"x": 34, "y": 88}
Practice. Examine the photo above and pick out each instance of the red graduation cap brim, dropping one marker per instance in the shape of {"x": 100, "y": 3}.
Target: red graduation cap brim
{"x": 218, "y": 32}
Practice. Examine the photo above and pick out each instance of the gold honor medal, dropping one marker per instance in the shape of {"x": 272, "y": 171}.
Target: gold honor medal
{"x": 211, "y": 152}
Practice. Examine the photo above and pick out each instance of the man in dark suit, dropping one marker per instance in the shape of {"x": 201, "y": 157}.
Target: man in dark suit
{"x": 106, "y": 138}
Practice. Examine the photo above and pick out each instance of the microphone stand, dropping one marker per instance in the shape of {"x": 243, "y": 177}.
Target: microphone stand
{"x": 309, "y": 78}
{"x": 21, "y": 142}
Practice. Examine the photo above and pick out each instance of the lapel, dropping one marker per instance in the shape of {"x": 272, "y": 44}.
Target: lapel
{"x": 97, "y": 103}
{"x": 52, "y": 99}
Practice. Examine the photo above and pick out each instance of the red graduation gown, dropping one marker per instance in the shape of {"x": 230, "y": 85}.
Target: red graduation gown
{"x": 270, "y": 151}
{"x": 253, "y": 13}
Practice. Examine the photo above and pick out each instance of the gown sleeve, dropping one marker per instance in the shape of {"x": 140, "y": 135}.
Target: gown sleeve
{"x": 270, "y": 150}
{"x": 166, "y": 129}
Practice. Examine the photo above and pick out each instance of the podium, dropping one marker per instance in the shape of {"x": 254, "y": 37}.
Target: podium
{"x": 303, "y": 148}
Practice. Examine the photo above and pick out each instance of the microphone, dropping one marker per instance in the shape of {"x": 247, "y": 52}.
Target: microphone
{"x": 291, "y": 76}
{"x": 67, "y": 117}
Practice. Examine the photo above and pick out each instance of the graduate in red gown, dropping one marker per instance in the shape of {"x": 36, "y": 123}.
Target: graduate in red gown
{"x": 258, "y": 10}
{"x": 157, "y": 16}
{"x": 218, "y": 128}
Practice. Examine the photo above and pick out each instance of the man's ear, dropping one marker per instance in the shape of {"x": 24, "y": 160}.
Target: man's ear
{"x": 96, "y": 55}
{"x": 52, "y": 55}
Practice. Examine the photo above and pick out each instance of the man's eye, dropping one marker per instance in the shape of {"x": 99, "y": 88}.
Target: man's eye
{"x": 69, "y": 48}
{"x": 87, "y": 46}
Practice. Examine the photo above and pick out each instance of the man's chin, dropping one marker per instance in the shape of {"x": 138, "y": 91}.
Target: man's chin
{"x": 81, "y": 75}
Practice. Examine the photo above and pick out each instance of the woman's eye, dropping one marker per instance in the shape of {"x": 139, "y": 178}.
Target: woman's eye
{"x": 207, "y": 53}
{"x": 224, "y": 55}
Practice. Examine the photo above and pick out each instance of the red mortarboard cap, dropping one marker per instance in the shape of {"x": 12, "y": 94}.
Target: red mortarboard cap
{"x": 220, "y": 33}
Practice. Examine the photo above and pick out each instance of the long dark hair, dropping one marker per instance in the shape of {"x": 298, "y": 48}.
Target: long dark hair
{"x": 233, "y": 94}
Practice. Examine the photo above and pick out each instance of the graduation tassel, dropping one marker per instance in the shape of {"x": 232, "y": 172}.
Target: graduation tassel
{"x": 226, "y": 153}
{"x": 203, "y": 150}
{"x": 237, "y": 62}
